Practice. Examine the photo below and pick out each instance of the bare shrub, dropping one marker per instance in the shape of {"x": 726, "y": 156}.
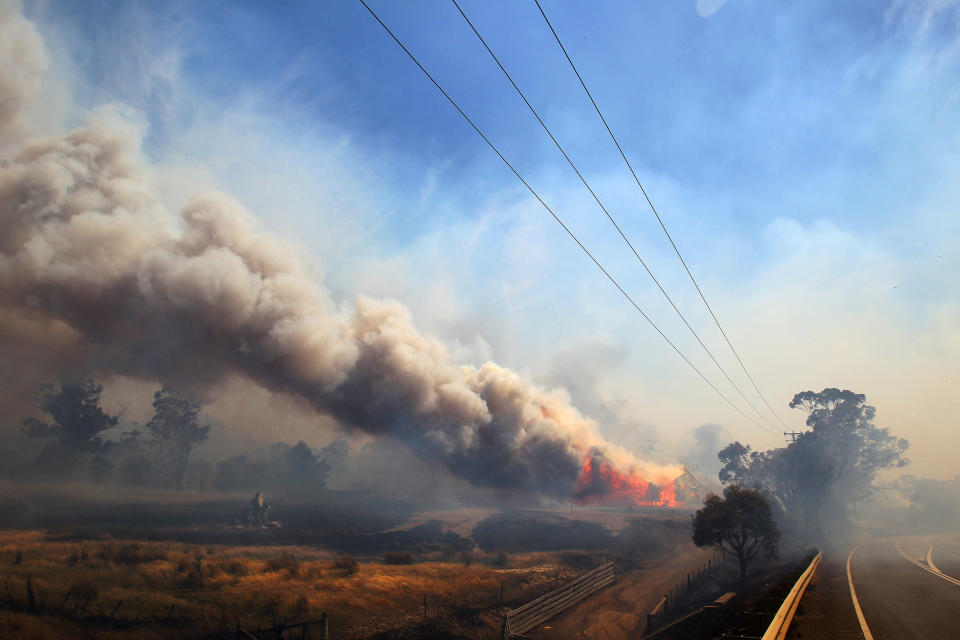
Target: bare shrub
{"x": 397, "y": 557}
{"x": 466, "y": 557}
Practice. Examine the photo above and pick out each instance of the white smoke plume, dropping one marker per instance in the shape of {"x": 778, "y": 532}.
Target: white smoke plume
{"x": 189, "y": 297}
{"x": 23, "y": 61}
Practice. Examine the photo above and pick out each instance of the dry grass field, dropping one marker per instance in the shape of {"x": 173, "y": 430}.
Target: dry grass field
{"x": 212, "y": 588}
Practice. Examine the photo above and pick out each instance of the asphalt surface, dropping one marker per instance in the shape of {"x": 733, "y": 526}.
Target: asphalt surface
{"x": 946, "y": 554}
{"x": 899, "y": 600}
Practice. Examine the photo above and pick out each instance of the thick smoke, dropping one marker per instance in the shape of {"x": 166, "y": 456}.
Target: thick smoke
{"x": 189, "y": 297}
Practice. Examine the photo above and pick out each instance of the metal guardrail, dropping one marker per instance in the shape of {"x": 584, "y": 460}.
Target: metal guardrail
{"x": 781, "y": 622}
{"x": 535, "y": 612}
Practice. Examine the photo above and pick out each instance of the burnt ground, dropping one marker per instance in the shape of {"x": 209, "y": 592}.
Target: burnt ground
{"x": 357, "y": 523}
{"x": 534, "y": 549}
{"x": 346, "y": 522}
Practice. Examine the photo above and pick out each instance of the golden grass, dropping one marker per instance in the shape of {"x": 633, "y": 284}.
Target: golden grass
{"x": 255, "y": 585}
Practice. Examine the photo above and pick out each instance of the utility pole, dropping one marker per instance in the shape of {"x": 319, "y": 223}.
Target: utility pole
{"x": 792, "y": 435}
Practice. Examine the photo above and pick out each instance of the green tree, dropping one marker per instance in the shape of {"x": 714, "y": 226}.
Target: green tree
{"x": 176, "y": 427}
{"x": 852, "y": 449}
{"x": 76, "y": 428}
{"x": 740, "y": 524}
{"x": 815, "y": 480}
{"x": 78, "y": 419}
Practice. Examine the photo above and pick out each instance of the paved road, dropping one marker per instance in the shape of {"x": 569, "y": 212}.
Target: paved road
{"x": 946, "y": 554}
{"x": 900, "y": 596}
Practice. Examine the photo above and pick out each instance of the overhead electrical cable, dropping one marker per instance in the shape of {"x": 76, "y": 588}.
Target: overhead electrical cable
{"x": 655, "y": 213}
{"x": 609, "y": 216}
{"x": 553, "y": 214}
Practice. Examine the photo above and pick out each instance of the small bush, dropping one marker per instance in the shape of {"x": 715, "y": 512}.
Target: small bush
{"x": 397, "y": 557}
{"x": 194, "y": 577}
{"x": 302, "y": 604}
{"x": 134, "y": 553}
{"x": 283, "y": 560}
{"x": 347, "y": 564}
{"x": 578, "y": 561}
{"x": 78, "y": 555}
{"x": 447, "y": 553}
{"x": 131, "y": 553}
{"x": 234, "y": 567}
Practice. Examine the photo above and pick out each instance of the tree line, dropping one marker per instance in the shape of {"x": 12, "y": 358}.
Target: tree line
{"x": 78, "y": 445}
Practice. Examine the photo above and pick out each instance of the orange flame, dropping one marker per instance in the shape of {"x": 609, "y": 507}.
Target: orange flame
{"x": 599, "y": 481}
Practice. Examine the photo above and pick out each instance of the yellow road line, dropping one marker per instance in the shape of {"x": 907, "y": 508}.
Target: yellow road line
{"x": 930, "y": 557}
{"x": 935, "y": 572}
{"x": 856, "y": 604}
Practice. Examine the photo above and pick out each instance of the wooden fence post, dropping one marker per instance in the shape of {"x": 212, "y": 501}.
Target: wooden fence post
{"x": 243, "y": 633}
{"x": 30, "y": 595}
{"x": 66, "y": 596}
{"x": 324, "y": 626}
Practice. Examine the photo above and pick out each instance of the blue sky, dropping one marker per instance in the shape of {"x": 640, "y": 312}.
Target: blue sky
{"x": 803, "y": 155}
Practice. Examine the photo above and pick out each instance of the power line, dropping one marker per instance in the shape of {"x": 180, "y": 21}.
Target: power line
{"x": 607, "y": 213}
{"x": 655, "y": 213}
{"x": 554, "y": 215}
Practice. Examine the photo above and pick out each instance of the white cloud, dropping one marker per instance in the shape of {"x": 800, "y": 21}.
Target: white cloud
{"x": 706, "y": 8}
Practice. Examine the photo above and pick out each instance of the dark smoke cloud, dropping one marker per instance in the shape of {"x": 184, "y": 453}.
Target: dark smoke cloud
{"x": 189, "y": 298}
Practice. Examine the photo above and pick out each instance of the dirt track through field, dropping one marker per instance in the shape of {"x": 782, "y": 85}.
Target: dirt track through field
{"x": 619, "y": 612}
